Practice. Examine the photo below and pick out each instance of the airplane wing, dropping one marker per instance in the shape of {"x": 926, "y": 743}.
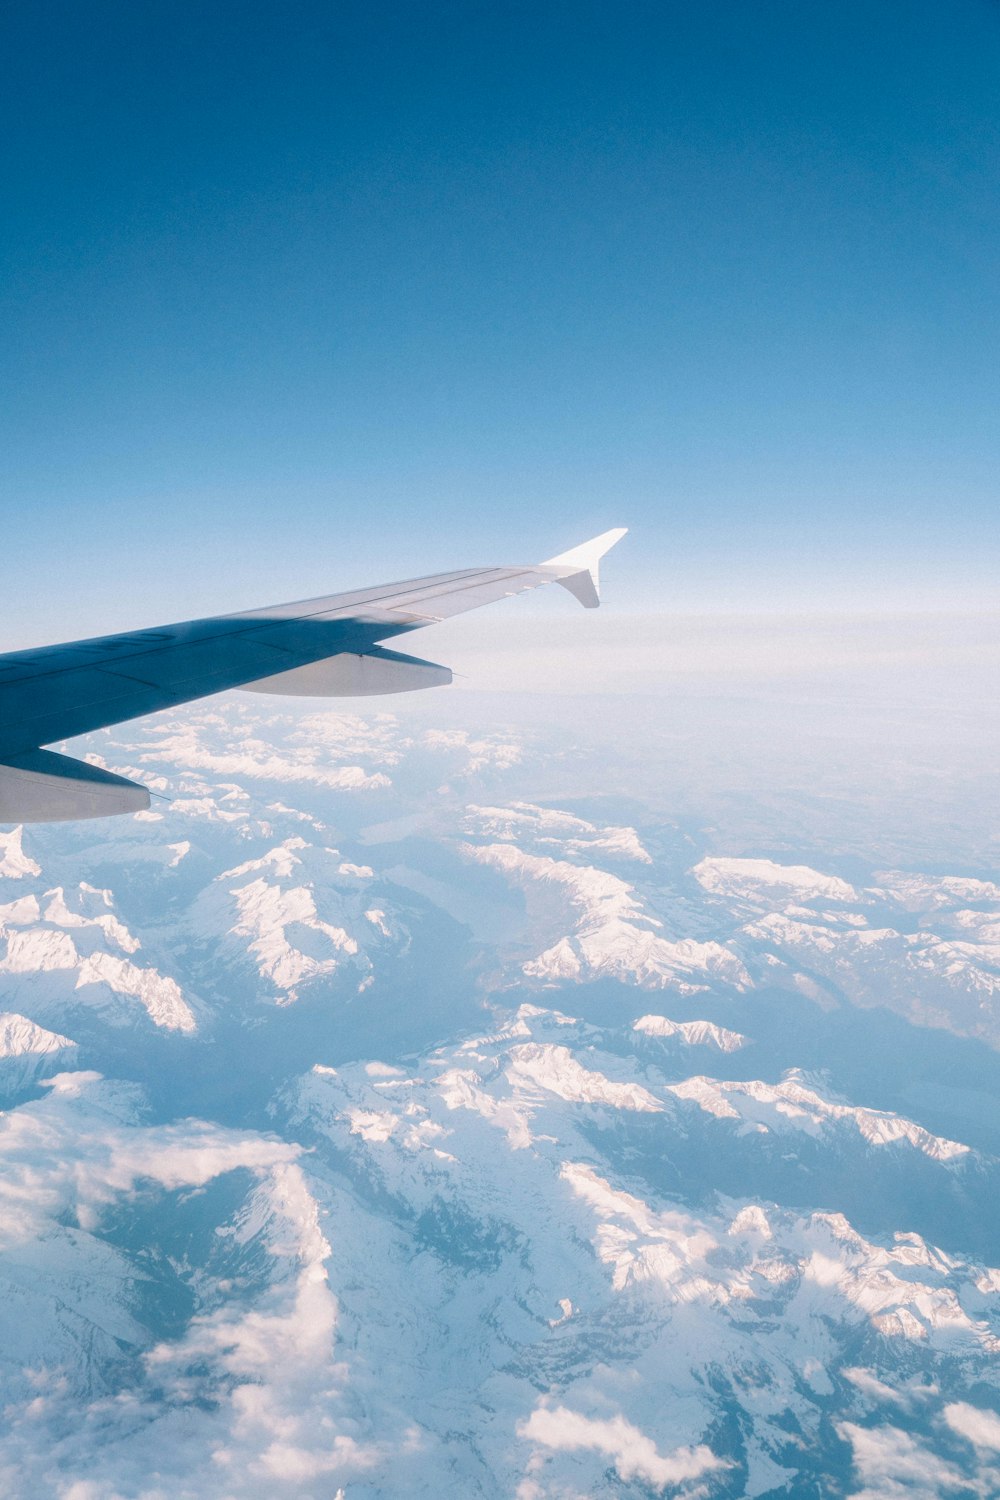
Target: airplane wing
{"x": 328, "y": 647}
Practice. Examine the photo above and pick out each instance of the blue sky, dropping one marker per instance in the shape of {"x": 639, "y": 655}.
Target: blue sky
{"x": 305, "y": 296}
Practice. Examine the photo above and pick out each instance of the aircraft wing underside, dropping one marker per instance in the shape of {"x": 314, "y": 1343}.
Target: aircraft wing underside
{"x": 328, "y": 647}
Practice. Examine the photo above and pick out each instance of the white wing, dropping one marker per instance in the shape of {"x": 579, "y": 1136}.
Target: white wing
{"x": 328, "y": 646}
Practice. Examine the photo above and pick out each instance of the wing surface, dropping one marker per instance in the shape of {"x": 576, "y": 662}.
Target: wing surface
{"x": 56, "y": 692}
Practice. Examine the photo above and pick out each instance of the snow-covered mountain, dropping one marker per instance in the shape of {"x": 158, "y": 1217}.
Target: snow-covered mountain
{"x": 379, "y": 1124}
{"x": 927, "y": 947}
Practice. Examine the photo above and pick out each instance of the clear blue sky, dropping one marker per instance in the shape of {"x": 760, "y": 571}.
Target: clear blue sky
{"x": 304, "y": 295}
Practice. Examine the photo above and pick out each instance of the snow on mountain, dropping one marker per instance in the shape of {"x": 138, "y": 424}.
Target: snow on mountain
{"x": 495, "y": 1203}
{"x": 320, "y": 749}
{"x": 478, "y": 752}
{"x": 691, "y": 1033}
{"x": 325, "y": 1342}
{"x": 205, "y": 808}
{"x": 931, "y": 893}
{"x": 28, "y": 1051}
{"x": 832, "y": 940}
{"x": 310, "y": 1252}
{"x": 610, "y": 933}
{"x": 14, "y": 863}
{"x": 20, "y": 1037}
{"x": 554, "y": 1070}
{"x": 816, "y": 929}
{"x": 69, "y": 937}
{"x": 158, "y": 994}
{"x": 256, "y": 760}
{"x": 378, "y": 737}
{"x": 906, "y": 1289}
{"x": 97, "y": 902}
{"x": 792, "y": 1105}
{"x": 299, "y": 913}
{"x": 39, "y": 949}
{"x": 543, "y": 827}
{"x": 928, "y": 979}
{"x": 761, "y": 881}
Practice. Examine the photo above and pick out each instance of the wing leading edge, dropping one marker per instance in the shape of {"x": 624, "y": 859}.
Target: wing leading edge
{"x": 327, "y": 647}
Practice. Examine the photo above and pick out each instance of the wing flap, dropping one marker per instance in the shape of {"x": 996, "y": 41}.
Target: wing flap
{"x": 351, "y": 674}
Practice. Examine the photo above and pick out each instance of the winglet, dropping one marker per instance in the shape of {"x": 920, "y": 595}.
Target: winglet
{"x": 583, "y": 566}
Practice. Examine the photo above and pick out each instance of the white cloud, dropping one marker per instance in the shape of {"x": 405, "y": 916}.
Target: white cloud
{"x": 868, "y": 1383}
{"x": 979, "y": 1426}
{"x": 892, "y": 1464}
{"x": 70, "y": 1154}
{"x": 635, "y": 1456}
{"x": 249, "y": 1401}
{"x": 271, "y": 1368}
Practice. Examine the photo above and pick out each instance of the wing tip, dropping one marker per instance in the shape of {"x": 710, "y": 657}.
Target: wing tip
{"x": 588, "y": 554}
{"x": 584, "y": 560}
